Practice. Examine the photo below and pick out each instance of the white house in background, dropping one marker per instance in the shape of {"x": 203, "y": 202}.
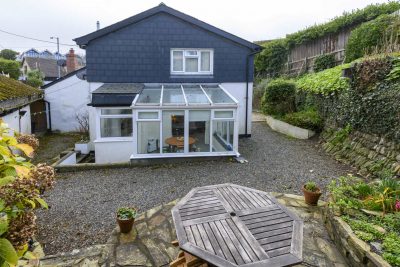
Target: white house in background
{"x": 68, "y": 96}
{"x": 15, "y": 101}
{"x": 164, "y": 84}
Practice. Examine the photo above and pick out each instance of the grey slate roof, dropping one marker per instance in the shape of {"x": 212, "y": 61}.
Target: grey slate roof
{"x": 119, "y": 88}
{"x": 81, "y": 73}
{"x": 115, "y": 94}
{"x": 84, "y": 40}
{"x": 48, "y": 66}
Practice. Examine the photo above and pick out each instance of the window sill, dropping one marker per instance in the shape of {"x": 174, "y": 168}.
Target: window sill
{"x": 179, "y": 76}
{"x": 113, "y": 139}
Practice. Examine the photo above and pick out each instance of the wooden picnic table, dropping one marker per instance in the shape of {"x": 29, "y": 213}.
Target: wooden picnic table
{"x": 232, "y": 225}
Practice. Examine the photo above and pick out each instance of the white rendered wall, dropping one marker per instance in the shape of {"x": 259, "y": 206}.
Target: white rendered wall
{"x": 12, "y": 121}
{"x": 113, "y": 151}
{"x": 238, "y": 91}
{"x": 67, "y": 98}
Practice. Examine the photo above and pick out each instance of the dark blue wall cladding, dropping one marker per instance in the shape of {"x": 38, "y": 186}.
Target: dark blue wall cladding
{"x": 141, "y": 53}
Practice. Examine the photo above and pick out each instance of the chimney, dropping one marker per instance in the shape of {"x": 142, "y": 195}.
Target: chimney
{"x": 72, "y": 63}
{"x": 98, "y": 25}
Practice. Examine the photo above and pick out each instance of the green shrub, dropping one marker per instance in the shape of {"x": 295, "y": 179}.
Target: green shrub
{"x": 324, "y": 82}
{"x": 308, "y": 119}
{"x": 279, "y": 97}
{"x": 9, "y": 67}
{"x": 391, "y": 246}
{"x": 272, "y": 59}
{"x": 35, "y": 78}
{"x": 324, "y": 62}
{"x": 367, "y": 37}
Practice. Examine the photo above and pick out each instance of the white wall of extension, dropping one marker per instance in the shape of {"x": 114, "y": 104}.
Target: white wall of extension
{"x": 238, "y": 91}
{"x": 113, "y": 151}
{"x": 13, "y": 118}
{"x": 67, "y": 98}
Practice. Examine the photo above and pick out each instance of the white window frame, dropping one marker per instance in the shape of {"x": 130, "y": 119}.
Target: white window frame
{"x": 198, "y": 56}
{"x": 113, "y": 116}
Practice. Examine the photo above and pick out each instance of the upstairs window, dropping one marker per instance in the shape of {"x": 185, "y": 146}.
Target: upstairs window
{"x": 192, "y": 61}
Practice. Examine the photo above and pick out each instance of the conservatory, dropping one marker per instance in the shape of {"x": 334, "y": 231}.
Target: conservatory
{"x": 184, "y": 120}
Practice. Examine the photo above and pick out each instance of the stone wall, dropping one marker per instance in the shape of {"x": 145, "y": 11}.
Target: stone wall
{"x": 357, "y": 252}
{"x": 369, "y": 153}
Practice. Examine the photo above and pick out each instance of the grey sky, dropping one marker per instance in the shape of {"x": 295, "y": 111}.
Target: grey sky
{"x": 251, "y": 19}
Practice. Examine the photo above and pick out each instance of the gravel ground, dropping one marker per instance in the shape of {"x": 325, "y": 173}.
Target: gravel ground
{"x": 83, "y": 203}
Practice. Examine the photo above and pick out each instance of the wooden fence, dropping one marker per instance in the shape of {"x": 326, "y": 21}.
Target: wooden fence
{"x": 301, "y": 57}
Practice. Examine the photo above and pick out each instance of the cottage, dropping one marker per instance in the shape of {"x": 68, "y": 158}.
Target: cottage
{"x": 165, "y": 84}
{"x": 16, "y": 99}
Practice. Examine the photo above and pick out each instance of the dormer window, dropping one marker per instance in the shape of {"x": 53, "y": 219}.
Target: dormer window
{"x": 192, "y": 61}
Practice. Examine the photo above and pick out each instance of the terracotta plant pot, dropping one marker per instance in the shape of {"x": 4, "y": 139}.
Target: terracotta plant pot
{"x": 125, "y": 225}
{"x": 311, "y": 198}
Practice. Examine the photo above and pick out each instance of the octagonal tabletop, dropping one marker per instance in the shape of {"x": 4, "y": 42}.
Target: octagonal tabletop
{"x": 232, "y": 225}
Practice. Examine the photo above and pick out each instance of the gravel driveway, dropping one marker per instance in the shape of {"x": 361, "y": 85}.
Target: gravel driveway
{"x": 83, "y": 204}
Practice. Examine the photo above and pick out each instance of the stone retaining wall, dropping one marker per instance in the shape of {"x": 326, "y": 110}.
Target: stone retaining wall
{"x": 369, "y": 153}
{"x": 357, "y": 252}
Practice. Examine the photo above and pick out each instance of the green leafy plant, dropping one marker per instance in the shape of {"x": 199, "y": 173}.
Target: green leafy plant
{"x": 10, "y": 67}
{"x": 391, "y": 246}
{"x": 308, "y": 119}
{"x": 311, "y": 186}
{"x": 279, "y": 97}
{"x": 19, "y": 197}
{"x": 340, "y": 135}
{"x": 271, "y": 60}
{"x": 367, "y": 37}
{"x": 35, "y": 78}
{"x": 324, "y": 62}
{"x": 126, "y": 213}
{"x": 325, "y": 82}
{"x": 348, "y": 19}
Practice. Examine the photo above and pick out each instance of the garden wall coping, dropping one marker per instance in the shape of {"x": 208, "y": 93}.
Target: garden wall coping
{"x": 288, "y": 129}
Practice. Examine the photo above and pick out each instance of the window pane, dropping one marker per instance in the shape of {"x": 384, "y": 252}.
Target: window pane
{"x": 149, "y": 96}
{"x": 191, "y": 64}
{"x": 116, "y": 111}
{"x": 195, "y": 95}
{"x": 148, "y": 115}
{"x": 173, "y": 95}
{"x": 222, "y": 136}
{"x": 205, "y": 61}
{"x": 217, "y": 95}
{"x": 148, "y": 137}
{"x": 223, "y": 114}
{"x": 177, "y": 62}
{"x": 173, "y": 123}
{"x": 199, "y": 130}
{"x": 115, "y": 127}
{"x": 191, "y": 52}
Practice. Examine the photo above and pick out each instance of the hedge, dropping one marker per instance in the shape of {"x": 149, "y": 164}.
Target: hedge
{"x": 279, "y": 97}
{"x": 368, "y": 37}
{"x": 271, "y": 60}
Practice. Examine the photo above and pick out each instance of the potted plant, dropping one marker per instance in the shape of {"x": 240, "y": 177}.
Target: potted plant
{"x": 312, "y": 193}
{"x": 126, "y": 218}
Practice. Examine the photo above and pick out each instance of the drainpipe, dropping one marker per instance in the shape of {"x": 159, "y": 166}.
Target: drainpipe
{"x": 247, "y": 88}
{"x": 49, "y": 113}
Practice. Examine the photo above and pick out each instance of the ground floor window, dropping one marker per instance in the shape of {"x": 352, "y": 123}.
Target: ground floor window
{"x": 115, "y": 123}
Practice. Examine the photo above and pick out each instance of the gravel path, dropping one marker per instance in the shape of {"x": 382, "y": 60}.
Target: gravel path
{"x": 83, "y": 203}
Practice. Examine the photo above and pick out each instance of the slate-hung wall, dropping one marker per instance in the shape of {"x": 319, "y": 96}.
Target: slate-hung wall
{"x": 141, "y": 53}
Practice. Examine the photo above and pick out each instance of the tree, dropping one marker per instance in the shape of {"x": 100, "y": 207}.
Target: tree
{"x": 10, "y": 67}
{"x": 35, "y": 78}
{"x": 8, "y": 54}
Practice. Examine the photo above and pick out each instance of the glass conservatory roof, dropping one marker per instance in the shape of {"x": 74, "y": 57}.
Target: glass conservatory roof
{"x": 184, "y": 95}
